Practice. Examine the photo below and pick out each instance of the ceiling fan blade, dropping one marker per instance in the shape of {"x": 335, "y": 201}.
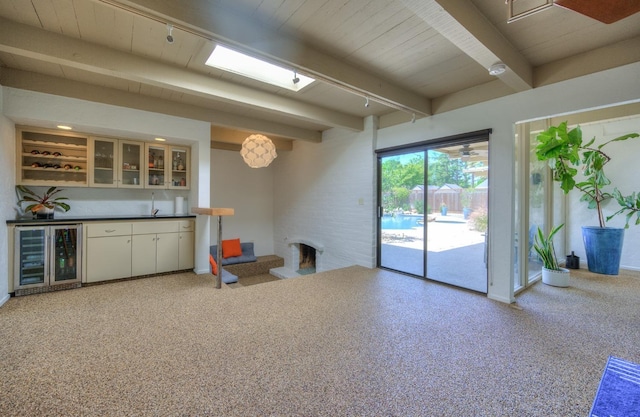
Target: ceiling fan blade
{"x": 608, "y": 11}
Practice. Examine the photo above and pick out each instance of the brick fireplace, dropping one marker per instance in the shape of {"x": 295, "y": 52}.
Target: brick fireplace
{"x": 299, "y": 257}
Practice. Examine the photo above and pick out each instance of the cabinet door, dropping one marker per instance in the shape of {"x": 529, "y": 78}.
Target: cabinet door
{"x": 186, "y": 252}
{"x": 103, "y": 154}
{"x": 155, "y": 166}
{"x": 167, "y": 246}
{"x": 31, "y": 256}
{"x": 180, "y": 168}
{"x": 65, "y": 254}
{"x": 131, "y": 164}
{"x": 108, "y": 258}
{"x": 144, "y": 254}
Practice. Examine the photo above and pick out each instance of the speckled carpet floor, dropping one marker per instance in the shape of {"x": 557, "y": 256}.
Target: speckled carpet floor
{"x": 253, "y": 280}
{"x": 350, "y": 342}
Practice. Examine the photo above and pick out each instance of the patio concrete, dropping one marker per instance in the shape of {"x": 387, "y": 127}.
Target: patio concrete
{"x": 455, "y": 254}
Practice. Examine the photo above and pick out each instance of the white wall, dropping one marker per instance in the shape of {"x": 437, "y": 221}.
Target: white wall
{"x": 38, "y": 109}
{"x": 249, "y": 191}
{"x": 622, "y": 173}
{"x": 606, "y": 88}
{"x": 325, "y": 194}
{"x": 7, "y": 191}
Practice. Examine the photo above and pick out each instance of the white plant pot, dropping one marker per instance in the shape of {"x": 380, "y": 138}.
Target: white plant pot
{"x": 556, "y": 278}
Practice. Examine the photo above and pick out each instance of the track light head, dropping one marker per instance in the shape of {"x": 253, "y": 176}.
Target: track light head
{"x": 295, "y": 80}
{"x": 169, "y": 36}
{"x": 366, "y": 103}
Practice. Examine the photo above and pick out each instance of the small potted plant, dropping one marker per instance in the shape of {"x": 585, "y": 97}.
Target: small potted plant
{"x": 552, "y": 273}
{"x": 466, "y": 197}
{"x": 443, "y": 209}
{"x": 42, "y": 206}
{"x": 565, "y": 152}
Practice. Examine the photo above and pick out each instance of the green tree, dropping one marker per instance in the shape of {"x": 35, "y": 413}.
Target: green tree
{"x": 443, "y": 170}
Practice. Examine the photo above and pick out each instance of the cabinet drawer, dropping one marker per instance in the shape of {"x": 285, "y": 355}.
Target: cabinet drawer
{"x": 187, "y": 226}
{"x": 154, "y": 226}
{"x": 108, "y": 229}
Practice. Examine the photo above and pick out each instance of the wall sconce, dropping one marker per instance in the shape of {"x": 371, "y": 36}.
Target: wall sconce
{"x": 258, "y": 151}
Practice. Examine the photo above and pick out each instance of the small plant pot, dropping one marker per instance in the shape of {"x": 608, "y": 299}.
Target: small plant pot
{"x": 44, "y": 213}
{"x": 556, "y": 278}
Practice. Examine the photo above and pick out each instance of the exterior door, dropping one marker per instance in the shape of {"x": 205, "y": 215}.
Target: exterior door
{"x": 402, "y": 216}
{"x": 433, "y": 210}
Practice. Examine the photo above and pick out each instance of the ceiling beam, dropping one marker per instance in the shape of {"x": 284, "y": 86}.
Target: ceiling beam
{"x": 30, "y": 42}
{"x": 222, "y": 137}
{"x": 596, "y": 60}
{"x": 251, "y": 35}
{"x": 465, "y": 26}
{"x": 74, "y": 89}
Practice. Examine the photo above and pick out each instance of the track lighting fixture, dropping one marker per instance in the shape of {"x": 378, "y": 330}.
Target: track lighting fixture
{"x": 366, "y": 103}
{"x": 169, "y": 30}
{"x": 413, "y": 118}
{"x": 296, "y": 80}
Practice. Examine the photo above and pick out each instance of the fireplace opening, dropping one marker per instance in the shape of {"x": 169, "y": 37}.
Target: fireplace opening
{"x": 307, "y": 264}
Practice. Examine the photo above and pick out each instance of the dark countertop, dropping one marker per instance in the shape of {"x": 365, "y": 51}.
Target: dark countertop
{"x": 84, "y": 219}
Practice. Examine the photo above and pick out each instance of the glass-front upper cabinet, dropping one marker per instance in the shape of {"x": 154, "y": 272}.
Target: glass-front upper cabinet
{"x": 180, "y": 168}
{"x": 156, "y": 170}
{"x": 168, "y": 166}
{"x": 104, "y": 159}
{"x": 131, "y": 164}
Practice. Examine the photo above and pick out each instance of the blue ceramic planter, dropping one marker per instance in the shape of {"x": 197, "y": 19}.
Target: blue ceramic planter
{"x": 603, "y": 246}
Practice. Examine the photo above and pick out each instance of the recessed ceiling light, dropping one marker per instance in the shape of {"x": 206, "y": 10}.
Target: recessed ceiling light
{"x": 247, "y": 66}
{"x": 64, "y": 127}
{"x": 161, "y": 139}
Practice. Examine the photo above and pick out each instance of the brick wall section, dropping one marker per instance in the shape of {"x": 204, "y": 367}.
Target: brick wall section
{"x": 325, "y": 193}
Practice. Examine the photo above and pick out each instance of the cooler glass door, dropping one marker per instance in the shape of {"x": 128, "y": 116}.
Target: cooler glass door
{"x": 31, "y": 256}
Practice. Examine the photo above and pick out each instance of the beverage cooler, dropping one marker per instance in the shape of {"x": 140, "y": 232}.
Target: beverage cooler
{"x": 47, "y": 258}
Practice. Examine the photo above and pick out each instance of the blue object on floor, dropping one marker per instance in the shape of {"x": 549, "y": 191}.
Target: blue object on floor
{"x": 619, "y": 392}
{"x": 228, "y": 277}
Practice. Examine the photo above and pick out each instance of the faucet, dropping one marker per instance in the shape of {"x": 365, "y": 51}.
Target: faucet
{"x": 154, "y": 210}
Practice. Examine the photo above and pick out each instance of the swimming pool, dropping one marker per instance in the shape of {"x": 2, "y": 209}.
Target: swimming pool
{"x": 402, "y": 221}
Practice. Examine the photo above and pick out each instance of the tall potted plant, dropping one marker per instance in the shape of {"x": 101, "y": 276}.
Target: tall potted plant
{"x": 565, "y": 152}
{"x": 552, "y": 273}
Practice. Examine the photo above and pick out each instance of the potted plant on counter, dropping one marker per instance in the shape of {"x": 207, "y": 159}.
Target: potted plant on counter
{"x": 42, "y": 206}
{"x": 552, "y": 273}
{"x": 565, "y": 152}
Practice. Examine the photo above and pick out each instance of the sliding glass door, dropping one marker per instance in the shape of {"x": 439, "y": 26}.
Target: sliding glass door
{"x": 457, "y": 227}
{"x": 433, "y": 212}
{"x": 402, "y": 200}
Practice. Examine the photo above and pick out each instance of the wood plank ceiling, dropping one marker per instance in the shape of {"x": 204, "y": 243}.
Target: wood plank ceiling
{"x": 409, "y": 58}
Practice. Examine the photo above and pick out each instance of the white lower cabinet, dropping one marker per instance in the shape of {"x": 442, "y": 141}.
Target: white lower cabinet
{"x": 157, "y": 251}
{"x": 186, "y": 245}
{"x": 108, "y": 251}
{"x": 123, "y": 250}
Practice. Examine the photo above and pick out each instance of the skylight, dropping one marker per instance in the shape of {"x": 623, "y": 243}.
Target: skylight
{"x": 241, "y": 64}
